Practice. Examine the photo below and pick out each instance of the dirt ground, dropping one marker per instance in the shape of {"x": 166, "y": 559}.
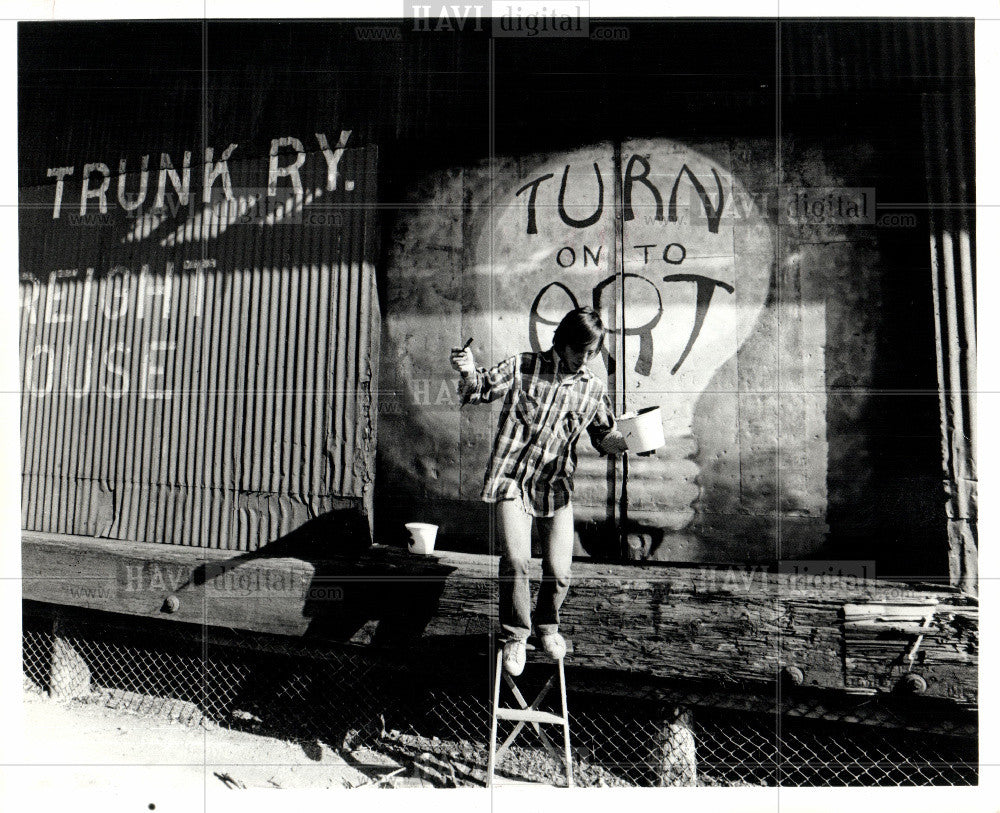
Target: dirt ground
{"x": 89, "y": 746}
{"x": 76, "y": 744}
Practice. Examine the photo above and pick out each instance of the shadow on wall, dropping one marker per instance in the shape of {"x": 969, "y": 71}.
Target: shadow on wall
{"x": 365, "y": 590}
{"x": 760, "y": 432}
{"x": 885, "y": 495}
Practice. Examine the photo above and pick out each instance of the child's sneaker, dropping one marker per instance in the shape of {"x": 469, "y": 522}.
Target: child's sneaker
{"x": 513, "y": 656}
{"x": 554, "y": 646}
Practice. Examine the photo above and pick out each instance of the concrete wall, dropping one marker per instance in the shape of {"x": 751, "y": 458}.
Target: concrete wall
{"x": 733, "y": 323}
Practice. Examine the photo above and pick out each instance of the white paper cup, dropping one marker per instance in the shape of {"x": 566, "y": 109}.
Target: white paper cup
{"x": 643, "y": 430}
{"x": 422, "y": 536}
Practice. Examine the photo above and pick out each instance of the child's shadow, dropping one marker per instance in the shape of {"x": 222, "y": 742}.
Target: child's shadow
{"x": 329, "y": 682}
{"x": 603, "y": 542}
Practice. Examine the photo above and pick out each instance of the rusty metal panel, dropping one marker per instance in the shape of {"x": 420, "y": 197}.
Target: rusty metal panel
{"x": 201, "y": 373}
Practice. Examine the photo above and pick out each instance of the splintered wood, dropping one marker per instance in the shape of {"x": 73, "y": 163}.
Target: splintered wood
{"x": 741, "y": 624}
{"x": 885, "y": 641}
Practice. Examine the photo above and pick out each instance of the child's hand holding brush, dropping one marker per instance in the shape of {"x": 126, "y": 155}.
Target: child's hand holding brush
{"x": 461, "y": 360}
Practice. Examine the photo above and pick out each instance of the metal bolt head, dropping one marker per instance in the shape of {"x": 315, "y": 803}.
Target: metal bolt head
{"x": 912, "y": 683}
{"x": 171, "y": 605}
{"x": 792, "y": 676}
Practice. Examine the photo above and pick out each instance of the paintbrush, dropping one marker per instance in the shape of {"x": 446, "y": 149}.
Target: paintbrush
{"x": 464, "y": 348}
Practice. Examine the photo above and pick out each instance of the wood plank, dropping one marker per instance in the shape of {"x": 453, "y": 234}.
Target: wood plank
{"x": 530, "y": 716}
{"x": 725, "y": 624}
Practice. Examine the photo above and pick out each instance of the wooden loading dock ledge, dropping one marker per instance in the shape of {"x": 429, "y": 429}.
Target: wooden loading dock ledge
{"x": 728, "y": 625}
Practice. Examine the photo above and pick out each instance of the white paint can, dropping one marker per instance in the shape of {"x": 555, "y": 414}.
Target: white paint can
{"x": 422, "y": 536}
{"x": 643, "y": 430}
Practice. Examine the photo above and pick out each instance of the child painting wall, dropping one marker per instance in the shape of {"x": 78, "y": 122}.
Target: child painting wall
{"x": 713, "y": 287}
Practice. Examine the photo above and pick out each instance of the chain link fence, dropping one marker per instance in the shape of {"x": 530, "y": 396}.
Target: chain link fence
{"x": 439, "y": 718}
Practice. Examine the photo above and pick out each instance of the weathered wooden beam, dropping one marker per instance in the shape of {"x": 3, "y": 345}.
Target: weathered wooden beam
{"x": 207, "y": 586}
{"x": 724, "y": 624}
{"x": 733, "y": 625}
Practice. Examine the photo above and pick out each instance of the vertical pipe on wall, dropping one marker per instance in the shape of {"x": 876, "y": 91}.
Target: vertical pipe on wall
{"x": 618, "y": 487}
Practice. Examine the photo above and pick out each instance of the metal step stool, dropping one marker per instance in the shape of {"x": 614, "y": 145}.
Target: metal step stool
{"x": 530, "y": 714}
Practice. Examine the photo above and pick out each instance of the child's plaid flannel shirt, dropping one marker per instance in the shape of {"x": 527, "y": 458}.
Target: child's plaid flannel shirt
{"x": 543, "y": 415}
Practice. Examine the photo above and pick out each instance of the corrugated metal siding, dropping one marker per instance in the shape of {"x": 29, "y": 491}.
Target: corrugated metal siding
{"x": 246, "y": 81}
{"x": 268, "y": 364}
{"x": 860, "y": 56}
{"x": 949, "y": 125}
{"x": 932, "y": 58}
